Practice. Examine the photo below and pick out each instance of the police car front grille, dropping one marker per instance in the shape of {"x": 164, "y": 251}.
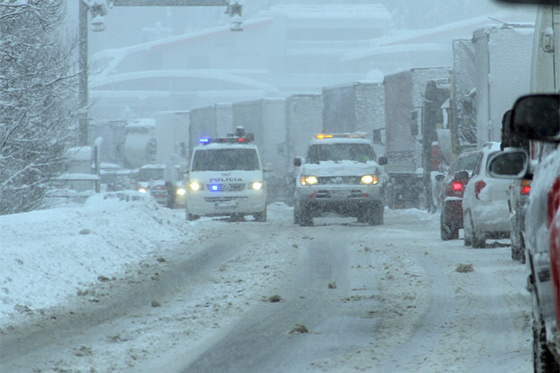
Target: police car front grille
{"x": 232, "y": 187}
{"x": 337, "y": 180}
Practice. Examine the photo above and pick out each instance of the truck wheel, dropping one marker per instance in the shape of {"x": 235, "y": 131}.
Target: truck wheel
{"x": 543, "y": 359}
{"x": 260, "y": 216}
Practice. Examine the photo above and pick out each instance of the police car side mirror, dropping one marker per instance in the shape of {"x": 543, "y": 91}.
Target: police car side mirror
{"x": 382, "y": 161}
{"x": 298, "y": 161}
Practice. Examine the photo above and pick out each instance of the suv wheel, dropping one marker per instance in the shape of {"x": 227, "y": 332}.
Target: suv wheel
{"x": 478, "y": 241}
{"x": 302, "y": 216}
{"x": 467, "y": 228}
{"x": 373, "y": 215}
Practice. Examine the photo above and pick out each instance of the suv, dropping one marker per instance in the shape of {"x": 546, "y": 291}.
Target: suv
{"x": 485, "y": 207}
{"x": 537, "y": 117}
{"x": 340, "y": 174}
{"x": 225, "y": 178}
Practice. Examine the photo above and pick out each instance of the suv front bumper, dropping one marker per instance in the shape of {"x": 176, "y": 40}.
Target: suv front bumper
{"x": 340, "y": 199}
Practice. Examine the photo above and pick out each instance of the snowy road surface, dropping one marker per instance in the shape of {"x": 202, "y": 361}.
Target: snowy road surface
{"x": 217, "y": 296}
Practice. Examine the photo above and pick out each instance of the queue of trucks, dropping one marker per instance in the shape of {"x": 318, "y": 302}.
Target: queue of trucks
{"x": 420, "y": 118}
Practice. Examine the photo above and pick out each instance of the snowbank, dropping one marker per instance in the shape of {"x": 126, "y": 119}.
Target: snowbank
{"x": 49, "y": 255}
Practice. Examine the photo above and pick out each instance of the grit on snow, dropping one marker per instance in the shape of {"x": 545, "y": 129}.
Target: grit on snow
{"x": 420, "y": 304}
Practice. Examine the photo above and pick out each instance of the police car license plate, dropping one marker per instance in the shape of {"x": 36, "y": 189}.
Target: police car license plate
{"x": 225, "y": 205}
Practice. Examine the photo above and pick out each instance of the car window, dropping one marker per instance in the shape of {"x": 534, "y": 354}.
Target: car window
{"x": 478, "y": 164}
{"x": 466, "y": 163}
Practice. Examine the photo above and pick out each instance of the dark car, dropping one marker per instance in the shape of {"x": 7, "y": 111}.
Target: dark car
{"x": 451, "y": 198}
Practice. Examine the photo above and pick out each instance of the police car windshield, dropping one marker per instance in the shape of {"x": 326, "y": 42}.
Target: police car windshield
{"x": 225, "y": 160}
{"x": 340, "y": 152}
{"x": 147, "y": 174}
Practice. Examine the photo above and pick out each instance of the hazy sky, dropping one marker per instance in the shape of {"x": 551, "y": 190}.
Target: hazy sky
{"x": 131, "y": 25}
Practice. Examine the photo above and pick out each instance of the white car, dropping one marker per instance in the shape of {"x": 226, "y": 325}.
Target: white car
{"x": 485, "y": 202}
{"x": 226, "y": 178}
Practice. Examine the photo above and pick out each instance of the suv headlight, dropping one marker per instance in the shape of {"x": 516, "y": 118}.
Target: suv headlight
{"x": 308, "y": 180}
{"x": 369, "y": 179}
{"x": 195, "y": 186}
{"x": 257, "y": 185}
{"x": 180, "y": 191}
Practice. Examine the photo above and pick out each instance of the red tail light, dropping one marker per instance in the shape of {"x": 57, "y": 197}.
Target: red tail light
{"x": 525, "y": 187}
{"x": 455, "y": 189}
{"x": 478, "y": 186}
{"x": 457, "y": 186}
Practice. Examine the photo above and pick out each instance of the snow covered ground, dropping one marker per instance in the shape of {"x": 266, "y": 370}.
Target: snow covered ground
{"x": 139, "y": 288}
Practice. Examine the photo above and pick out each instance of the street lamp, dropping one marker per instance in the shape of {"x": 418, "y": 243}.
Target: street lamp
{"x": 99, "y": 9}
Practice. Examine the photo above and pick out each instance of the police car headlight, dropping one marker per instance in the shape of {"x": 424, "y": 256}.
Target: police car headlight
{"x": 369, "y": 179}
{"x": 181, "y": 191}
{"x": 257, "y": 185}
{"x": 308, "y": 180}
{"x": 195, "y": 186}
{"x": 142, "y": 190}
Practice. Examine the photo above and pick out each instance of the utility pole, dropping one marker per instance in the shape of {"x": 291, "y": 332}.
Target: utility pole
{"x": 99, "y": 9}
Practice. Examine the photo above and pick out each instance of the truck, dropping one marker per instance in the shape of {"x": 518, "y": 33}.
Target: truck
{"x": 171, "y": 135}
{"x": 304, "y": 120}
{"x": 208, "y": 121}
{"x": 404, "y": 113}
{"x": 498, "y": 81}
{"x": 537, "y": 117}
{"x": 356, "y": 107}
{"x": 266, "y": 119}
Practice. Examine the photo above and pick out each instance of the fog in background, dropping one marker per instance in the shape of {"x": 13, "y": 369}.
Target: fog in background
{"x": 126, "y": 26}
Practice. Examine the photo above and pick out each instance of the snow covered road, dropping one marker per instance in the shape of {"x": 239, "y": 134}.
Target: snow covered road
{"x": 212, "y": 295}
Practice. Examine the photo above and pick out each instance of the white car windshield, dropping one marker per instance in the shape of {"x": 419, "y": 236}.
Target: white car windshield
{"x": 340, "y": 152}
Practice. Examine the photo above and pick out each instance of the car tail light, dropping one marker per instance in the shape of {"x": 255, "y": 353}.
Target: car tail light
{"x": 478, "y": 186}
{"x": 455, "y": 188}
{"x": 525, "y": 187}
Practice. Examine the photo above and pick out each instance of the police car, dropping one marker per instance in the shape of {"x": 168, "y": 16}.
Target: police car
{"x": 340, "y": 174}
{"x": 226, "y": 178}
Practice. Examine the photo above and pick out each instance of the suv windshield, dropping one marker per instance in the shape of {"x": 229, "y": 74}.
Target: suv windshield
{"x": 225, "y": 160}
{"x": 340, "y": 152}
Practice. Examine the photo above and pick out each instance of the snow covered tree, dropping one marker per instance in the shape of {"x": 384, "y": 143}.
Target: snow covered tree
{"x": 37, "y": 100}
